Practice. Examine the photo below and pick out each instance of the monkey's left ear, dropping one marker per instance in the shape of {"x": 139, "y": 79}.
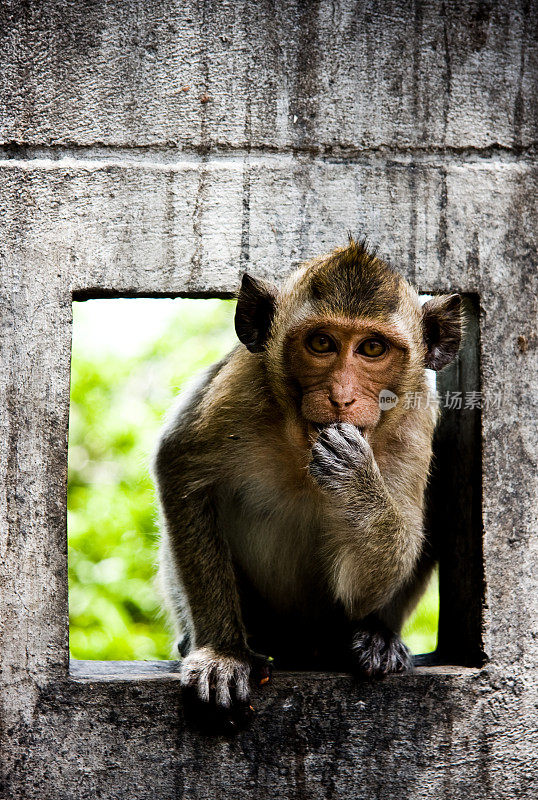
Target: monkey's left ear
{"x": 441, "y": 326}
{"x": 254, "y": 313}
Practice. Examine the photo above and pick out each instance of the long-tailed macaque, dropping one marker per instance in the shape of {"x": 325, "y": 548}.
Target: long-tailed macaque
{"x": 292, "y": 502}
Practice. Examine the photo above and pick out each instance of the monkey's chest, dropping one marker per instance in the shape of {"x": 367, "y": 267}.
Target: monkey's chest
{"x": 276, "y": 543}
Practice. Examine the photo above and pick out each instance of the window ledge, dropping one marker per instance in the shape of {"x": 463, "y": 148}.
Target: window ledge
{"x": 165, "y": 670}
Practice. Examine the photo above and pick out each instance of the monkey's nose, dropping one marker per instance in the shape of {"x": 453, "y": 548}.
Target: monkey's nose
{"x": 341, "y": 403}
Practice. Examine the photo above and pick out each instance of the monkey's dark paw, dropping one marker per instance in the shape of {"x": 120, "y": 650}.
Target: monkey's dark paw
{"x": 377, "y": 651}
{"x": 339, "y": 452}
{"x": 216, "y": 689}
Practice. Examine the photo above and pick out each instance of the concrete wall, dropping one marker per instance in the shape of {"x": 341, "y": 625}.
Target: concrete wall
{"x": 412, "y": 122}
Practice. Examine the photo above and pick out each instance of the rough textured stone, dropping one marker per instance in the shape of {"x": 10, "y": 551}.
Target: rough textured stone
{"x": 412, "y": 122}
{"x": 283, "y": 75}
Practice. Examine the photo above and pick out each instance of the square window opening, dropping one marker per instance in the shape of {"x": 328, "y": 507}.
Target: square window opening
{"x": 130, "y": 358}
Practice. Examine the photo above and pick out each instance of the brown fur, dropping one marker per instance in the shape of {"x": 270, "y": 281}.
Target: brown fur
{"x": 274, "y": 536}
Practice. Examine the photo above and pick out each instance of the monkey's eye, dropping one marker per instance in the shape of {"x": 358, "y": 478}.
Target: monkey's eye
{"x": 372, "y": 348}
{"x": 320, "y": 343}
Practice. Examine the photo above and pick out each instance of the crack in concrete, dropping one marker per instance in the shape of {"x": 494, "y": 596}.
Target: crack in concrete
{"x": 169, "y": 152}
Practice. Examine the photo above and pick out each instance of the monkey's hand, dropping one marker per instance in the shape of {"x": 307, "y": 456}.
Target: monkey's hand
{"x": 342, "y": 456}
{"x": 216, "y": 687}
{"x": 377, "y": 651}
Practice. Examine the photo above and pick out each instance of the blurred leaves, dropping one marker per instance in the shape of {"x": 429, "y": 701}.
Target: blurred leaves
{"x": 420, "y": 631}
{"x": 118, "y": 401}
{"x": 117, "y": 407}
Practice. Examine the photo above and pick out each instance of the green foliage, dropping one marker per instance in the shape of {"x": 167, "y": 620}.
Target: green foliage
{"x": 420, "y": 630}
{"x": 118, "y": 402}
{"x": 117, "y": 407}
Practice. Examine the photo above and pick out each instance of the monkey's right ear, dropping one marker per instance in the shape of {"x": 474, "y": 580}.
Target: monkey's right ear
{"x": 254, "y": 313}
{"x": 441, "y": 325}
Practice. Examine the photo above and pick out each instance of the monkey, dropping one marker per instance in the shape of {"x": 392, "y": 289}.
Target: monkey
{"x": 292, "y": 501}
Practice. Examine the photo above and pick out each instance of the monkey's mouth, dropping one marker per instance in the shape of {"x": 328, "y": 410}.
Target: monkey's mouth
{"x": 315, "y": 428}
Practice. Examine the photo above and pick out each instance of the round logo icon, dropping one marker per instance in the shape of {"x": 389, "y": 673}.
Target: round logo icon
{"x": 387, "y": 399}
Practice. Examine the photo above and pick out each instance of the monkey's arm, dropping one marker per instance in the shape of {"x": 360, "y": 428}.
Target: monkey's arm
{"x": 202, "y": 559}
{"x": 377, "y": 564}
{"x": 402, "y": 604}
{"x": 218, "y": 665}
{"x": 373, "y": 547}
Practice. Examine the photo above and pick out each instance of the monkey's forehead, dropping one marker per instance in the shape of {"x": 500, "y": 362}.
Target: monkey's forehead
{"x": 374, "y": 294}
{"x": 350, "y": 281}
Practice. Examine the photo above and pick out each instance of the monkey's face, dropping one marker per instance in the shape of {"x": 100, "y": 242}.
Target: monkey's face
{"x": 342, "y": 329}
{"x": 339, "y": 367}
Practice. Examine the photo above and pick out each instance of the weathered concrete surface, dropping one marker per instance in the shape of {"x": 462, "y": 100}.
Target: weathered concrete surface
{"x": 434, "y": 734}
{"x": 431, "y": 735}
{"x": 416, "y": 125}
{"x": 193, "y": 225}
{"x": 287, "y": 74}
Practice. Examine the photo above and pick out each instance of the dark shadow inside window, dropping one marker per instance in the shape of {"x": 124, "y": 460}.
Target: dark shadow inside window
{"x": 455, "y": 501}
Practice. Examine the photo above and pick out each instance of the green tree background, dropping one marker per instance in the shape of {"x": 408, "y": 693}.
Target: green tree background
{"x": 124, "y": 378}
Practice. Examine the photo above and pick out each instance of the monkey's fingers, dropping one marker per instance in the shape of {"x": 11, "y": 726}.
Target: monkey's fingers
{"x": 326, "y": 467}
{"x": 346, "y": 443}
{"x": 377, "y": 653}
{"x": 354, "y": 437}
{"x": 215, "y": 692}
{"x": 212, "y": 675}
{"x": 197, "y": 678}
